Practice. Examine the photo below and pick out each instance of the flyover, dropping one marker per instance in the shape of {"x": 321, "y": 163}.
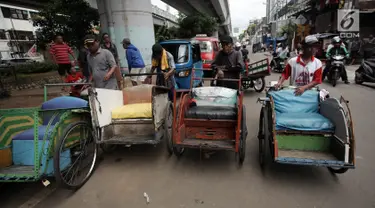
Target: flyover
{"x": 135, "y": 19}
{"x": 160, "y": 17}
{"x": 215, "y": 8}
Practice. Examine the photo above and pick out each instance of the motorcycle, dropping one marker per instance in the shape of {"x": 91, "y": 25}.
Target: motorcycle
{"x": 366, "y": 71}
{"x": 277, "y": 63}
{"x": 336, "y": 69}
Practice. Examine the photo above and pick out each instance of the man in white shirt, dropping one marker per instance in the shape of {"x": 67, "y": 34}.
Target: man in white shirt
{"x": 304, "y": 71}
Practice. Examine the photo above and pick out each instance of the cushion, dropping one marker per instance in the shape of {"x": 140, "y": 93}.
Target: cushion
{"x": 212, "y": 112}
{"x": 303, "y": 122}
{"x": 137, "y": 110}
{"x": 286, "y": 102}
{"x": 29, "y": 134}
{"x": 214, "y": 96}
{"x": 64, "y": 102}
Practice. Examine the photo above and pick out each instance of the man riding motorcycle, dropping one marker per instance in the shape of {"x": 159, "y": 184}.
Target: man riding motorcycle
{"x": 337, "y": 49}
{"x": 245, "y": 53}
{"x": 229, "y": 59}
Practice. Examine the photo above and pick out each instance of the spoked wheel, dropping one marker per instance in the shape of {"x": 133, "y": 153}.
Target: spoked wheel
{"x": 75, "y": 155}
{"x": 168, "y": 135}
{"x": 337, "y": 170}
{"x": 262, "y": 138}
{"x": 259, "y": 84}
{"x": 242, "y": 146}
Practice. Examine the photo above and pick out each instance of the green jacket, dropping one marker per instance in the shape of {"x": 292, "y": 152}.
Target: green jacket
{"x": 337, "y": 51}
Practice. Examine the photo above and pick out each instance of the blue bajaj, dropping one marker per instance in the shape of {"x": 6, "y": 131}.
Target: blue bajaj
{"x": 187, "y": 57}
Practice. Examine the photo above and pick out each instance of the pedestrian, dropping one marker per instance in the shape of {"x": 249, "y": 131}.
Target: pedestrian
{"x": 135, "y": 62}
{"x": 82, "y": 62}
{"x": 165, "y": 66}
{"x": 101, "y": 64}
{"x": 108, "y": 44}
{"x": 304, "y": 71}
{"x": 60, "y": 52}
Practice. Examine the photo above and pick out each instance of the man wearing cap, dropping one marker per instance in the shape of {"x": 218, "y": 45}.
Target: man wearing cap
{"x": 101, "y": 63}
{"x": 135, "y": 61}
{"x": 304, "y": 71}
{"x": 229, "y": 58}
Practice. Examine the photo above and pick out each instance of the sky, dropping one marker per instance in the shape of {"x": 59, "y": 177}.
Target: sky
{"x": 242, "y": 11}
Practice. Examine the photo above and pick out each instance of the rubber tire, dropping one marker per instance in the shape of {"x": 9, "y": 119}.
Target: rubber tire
{"x": 168, "y": 138}
{"x": 338, "y": 171}
{"x": 357, "y": 80}
{"x": 56, "y": 158}
{"x": 262, "y": 139}
{"x": 333, "y": 79}
{"x": 263, "y": 85}
{"x": 242, "y": 146}
{"x": 177, "y": 151}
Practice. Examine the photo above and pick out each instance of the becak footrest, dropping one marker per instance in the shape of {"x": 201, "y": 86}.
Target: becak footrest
{"x": 212, "y": 112}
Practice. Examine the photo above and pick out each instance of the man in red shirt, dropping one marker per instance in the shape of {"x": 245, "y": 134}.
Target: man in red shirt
{"x": 304, "y": 71}
{"x": 60, "y": 55}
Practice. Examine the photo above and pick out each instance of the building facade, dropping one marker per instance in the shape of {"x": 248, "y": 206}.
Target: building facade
{"x": 17, "y": 33}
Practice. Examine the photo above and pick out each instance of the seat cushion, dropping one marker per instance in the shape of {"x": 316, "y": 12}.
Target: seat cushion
{"x": 303, "y": 122}
{"x": 29, "y": 134}
{"x": 287, "y": 102}
{"x": 63, "y": 102}
{"x": 137, "y": 110}
{"x": 212, "y": 112}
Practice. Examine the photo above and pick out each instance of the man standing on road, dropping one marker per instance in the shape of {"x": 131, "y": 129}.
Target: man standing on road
{"x": 101, "y": 63}
{"x": 135, "y": 62}
{"x": 60, "y": 55}
{"x": 305, "y": 71}
{"x": 82, "y": 62}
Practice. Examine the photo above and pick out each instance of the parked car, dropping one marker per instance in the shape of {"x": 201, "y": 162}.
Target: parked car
{"x": 209, "y": 47}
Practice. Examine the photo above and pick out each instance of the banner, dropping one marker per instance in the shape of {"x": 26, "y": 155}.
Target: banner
{"x": 32, "y": 51}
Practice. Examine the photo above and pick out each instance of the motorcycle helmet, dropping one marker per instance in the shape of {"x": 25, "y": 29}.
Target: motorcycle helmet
{"x": 336, "y": 39}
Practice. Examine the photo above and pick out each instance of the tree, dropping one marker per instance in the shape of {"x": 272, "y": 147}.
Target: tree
{"x": 197, "y": 24}
{"x": 289, "y": 29}
{"x": 72, "y": 18}
{"x": 165, "y": 33}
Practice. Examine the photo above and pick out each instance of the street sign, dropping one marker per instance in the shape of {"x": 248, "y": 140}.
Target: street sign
{"x": 300, "y": 20}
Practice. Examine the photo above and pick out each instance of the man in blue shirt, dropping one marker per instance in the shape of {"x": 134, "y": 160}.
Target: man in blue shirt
{"x": 135, "y": 62}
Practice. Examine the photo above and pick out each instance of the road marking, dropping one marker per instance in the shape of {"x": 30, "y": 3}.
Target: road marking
{"x": 37, "y": 198}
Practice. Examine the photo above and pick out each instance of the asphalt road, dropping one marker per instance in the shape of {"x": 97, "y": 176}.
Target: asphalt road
{"x": 122, "y": 178}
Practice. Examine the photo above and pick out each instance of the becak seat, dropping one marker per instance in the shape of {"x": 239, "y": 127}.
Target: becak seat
{"x": 213, "y": 103}
{"x": 300, "y": 113}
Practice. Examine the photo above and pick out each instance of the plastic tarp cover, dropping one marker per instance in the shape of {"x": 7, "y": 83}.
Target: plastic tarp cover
{"x": 299, "y": 113}
{"x": 215, "y": 96}
{"x": 286, "y": 102}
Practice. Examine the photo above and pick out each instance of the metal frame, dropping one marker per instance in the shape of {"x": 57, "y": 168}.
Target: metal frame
{"x": 215, "y": 140}
{"x": 268, "y": 105}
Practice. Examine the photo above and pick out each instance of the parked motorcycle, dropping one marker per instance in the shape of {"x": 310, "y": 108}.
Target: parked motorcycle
{"x": 336, "y": 69}
{"x": 366, "y": 71}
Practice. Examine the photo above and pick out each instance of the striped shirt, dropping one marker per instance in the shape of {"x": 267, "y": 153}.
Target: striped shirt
{"x": 61, "y": 53}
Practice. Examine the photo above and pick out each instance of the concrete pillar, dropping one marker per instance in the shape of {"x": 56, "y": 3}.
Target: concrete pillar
{"x": 128, "y": 19}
